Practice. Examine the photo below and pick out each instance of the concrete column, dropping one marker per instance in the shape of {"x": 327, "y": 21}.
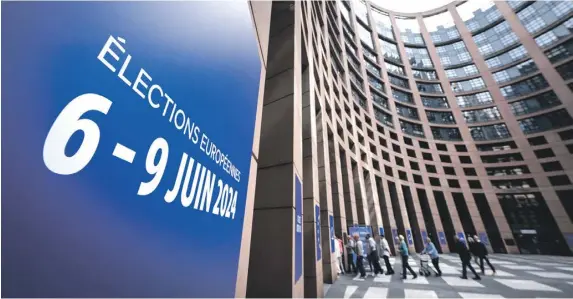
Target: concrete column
{"x": 348, "y": 184}
{"x": 437, "y": 220}
{"x": 273, "y": 267}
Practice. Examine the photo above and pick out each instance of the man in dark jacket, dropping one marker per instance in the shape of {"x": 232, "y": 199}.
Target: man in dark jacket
{"x": 465, "y": 257}
{"x": 481, "y": 251}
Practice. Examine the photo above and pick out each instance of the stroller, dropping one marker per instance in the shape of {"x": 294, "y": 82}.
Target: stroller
{"x": 425, "y": 265}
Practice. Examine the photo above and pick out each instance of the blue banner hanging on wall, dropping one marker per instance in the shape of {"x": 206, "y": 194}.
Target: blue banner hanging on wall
{"x": 362, "y": 231}
{"x": 424, "y": 236}
{"x": 318, "y": 239}
{"x": 483, "y": 238}
{"x": 442, "y": 238}
{"x": 409, "y": 237}
{"x": 298, "y": 230}
{"x": 331, "y": 230}
{"x": 128, "y": 130}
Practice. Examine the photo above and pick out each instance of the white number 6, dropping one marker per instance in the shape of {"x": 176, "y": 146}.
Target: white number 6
{"x": 65, "y": 125}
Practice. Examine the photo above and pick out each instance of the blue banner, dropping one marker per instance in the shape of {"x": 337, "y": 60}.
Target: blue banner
{"x": 298, "y": 231}
{"x": 395, "y": 235}
{"x": 409, "y": 237}
{"x": 424, "y": 236}
{"x": 318, "y": 242}
{"x": 331, "y": 230}
{"x": 381, "y": 231}
{"x": 442, "y": 238}
{"x": 127, "y": 132}
{"x": 362, "y": 231}
{"x": 462, "y": 236}
{"x": 483, "y": 238}
{"x": 569, "y": 240}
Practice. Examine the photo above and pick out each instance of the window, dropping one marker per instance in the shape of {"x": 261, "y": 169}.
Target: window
{"x": 412, "y": 129}
{"x": 388, "y": 170}
{"x": 419, "y": 57}
{"x": 396, "y": 149}
{"x": 431, "y": 168}
{"x": 495, "y": 39}
{"x": 544, "y": 153}
{"x": 399, "y": 161}
{"x": 441, "y": 27}
{"x": 474, "y": 184}
{"x": 383, "y": 24}
{"x": 383, "y": 117}
{"x": 541, "y": 14}
{"x": 435, "y": 182}
{"x": 468, "y": 85}
{"x": 385, "y": 156}
{"x": 407, "y": 112}
{"x": 566, "y": 135}
{"x": 449, "y": 170}
{"x": 453, "y": 184}
{"x": 537, "y": 140}
{"x": 481, "y": 115}
{"x": 399, "y": 81}
{"x": 345, "y": 12}
{"x": 566, "y": 70}
{"x": 465, "y": 160}
{"x": 461, "y": 72}
{"x": 555, "y": 35}
{"x": 504, "y": 171}
{"x": 445, "y": 159}
{"x": 429, "y": 87}
{"x": 514, "y": 184}
{"x": 551, "y": 166}
{"x": 424, "y": 144}
{"x": 376, "y": 83}
{"x": 515, "y": 72}
{"x": 561, "y": 52}
{"x": 559, "y": 180}
{"x": 425, "y": 75}
{"x": 446, "y": 133}
{"x": 379, "y": 99}
{"x": 441, "y": 147}
{"x": 544, "y": 122}
{"x": 461, "y": 148}
{"x": 492, "y": 132}
{"x": 414, "y": 165}
{"x": 402, "y": 96}
{"x": 418, "y": 179}
{"x": 427, "y": 156}
{"x": 498, "y": 146}
{"x": 470, "y": 172}
{"x": 365, "y": 36}
{"x": 439, "y": 117}
{"x": 478, "y": 14}
{"x": 372, "y": 68}
{"x": 390, "y": 51}
{"x": 535, "y": 103}
{"x": 409, "y": 30}
{"x": 411, "y": 153}
{"x": 524, "y": 87}
{"x": 472, "y": 100}
{"x": 506, "y": 58}
{"x": 395, "y": 69}
{"x": 435, "y": 102}
{"x": 502, "y": 158}
{"x": 453, "y": 54}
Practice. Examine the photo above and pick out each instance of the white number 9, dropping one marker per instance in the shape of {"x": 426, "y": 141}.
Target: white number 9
{"x": 66, "y": 124}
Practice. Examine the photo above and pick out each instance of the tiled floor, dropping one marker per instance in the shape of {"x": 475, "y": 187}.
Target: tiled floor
{"x": 517, "y": 276}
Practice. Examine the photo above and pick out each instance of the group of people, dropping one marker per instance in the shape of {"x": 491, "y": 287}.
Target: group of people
{"x": 378, "y": 248}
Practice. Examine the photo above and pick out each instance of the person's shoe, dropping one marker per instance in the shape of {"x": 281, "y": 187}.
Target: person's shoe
{"x": 493, "y": 272}
{"x": 477, "y": 278}
{"x": 415, "y": 276}
{"x": 403, "y": 277}
{"x": 389, "y": 273}
{"x": 463, "y": 277}
{"x": 362, "y": 276}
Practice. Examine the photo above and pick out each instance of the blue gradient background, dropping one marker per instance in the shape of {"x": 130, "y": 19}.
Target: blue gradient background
{"x": 90, "y": 234}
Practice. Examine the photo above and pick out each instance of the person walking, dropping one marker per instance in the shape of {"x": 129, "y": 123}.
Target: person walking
{"x": 431, "y": 250}
{"x": 482, "y": 254}
{"x": 386, "y": 254}
{"x": 465, "y": 257}
{"x": 473, "y": 250}
{"x": 404, "y": 253}
{"x": 360, "y": 254}
{"x": 340, "y": 246}
{"x": 373, "y": 255}
{"x": 351, "y": 255}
